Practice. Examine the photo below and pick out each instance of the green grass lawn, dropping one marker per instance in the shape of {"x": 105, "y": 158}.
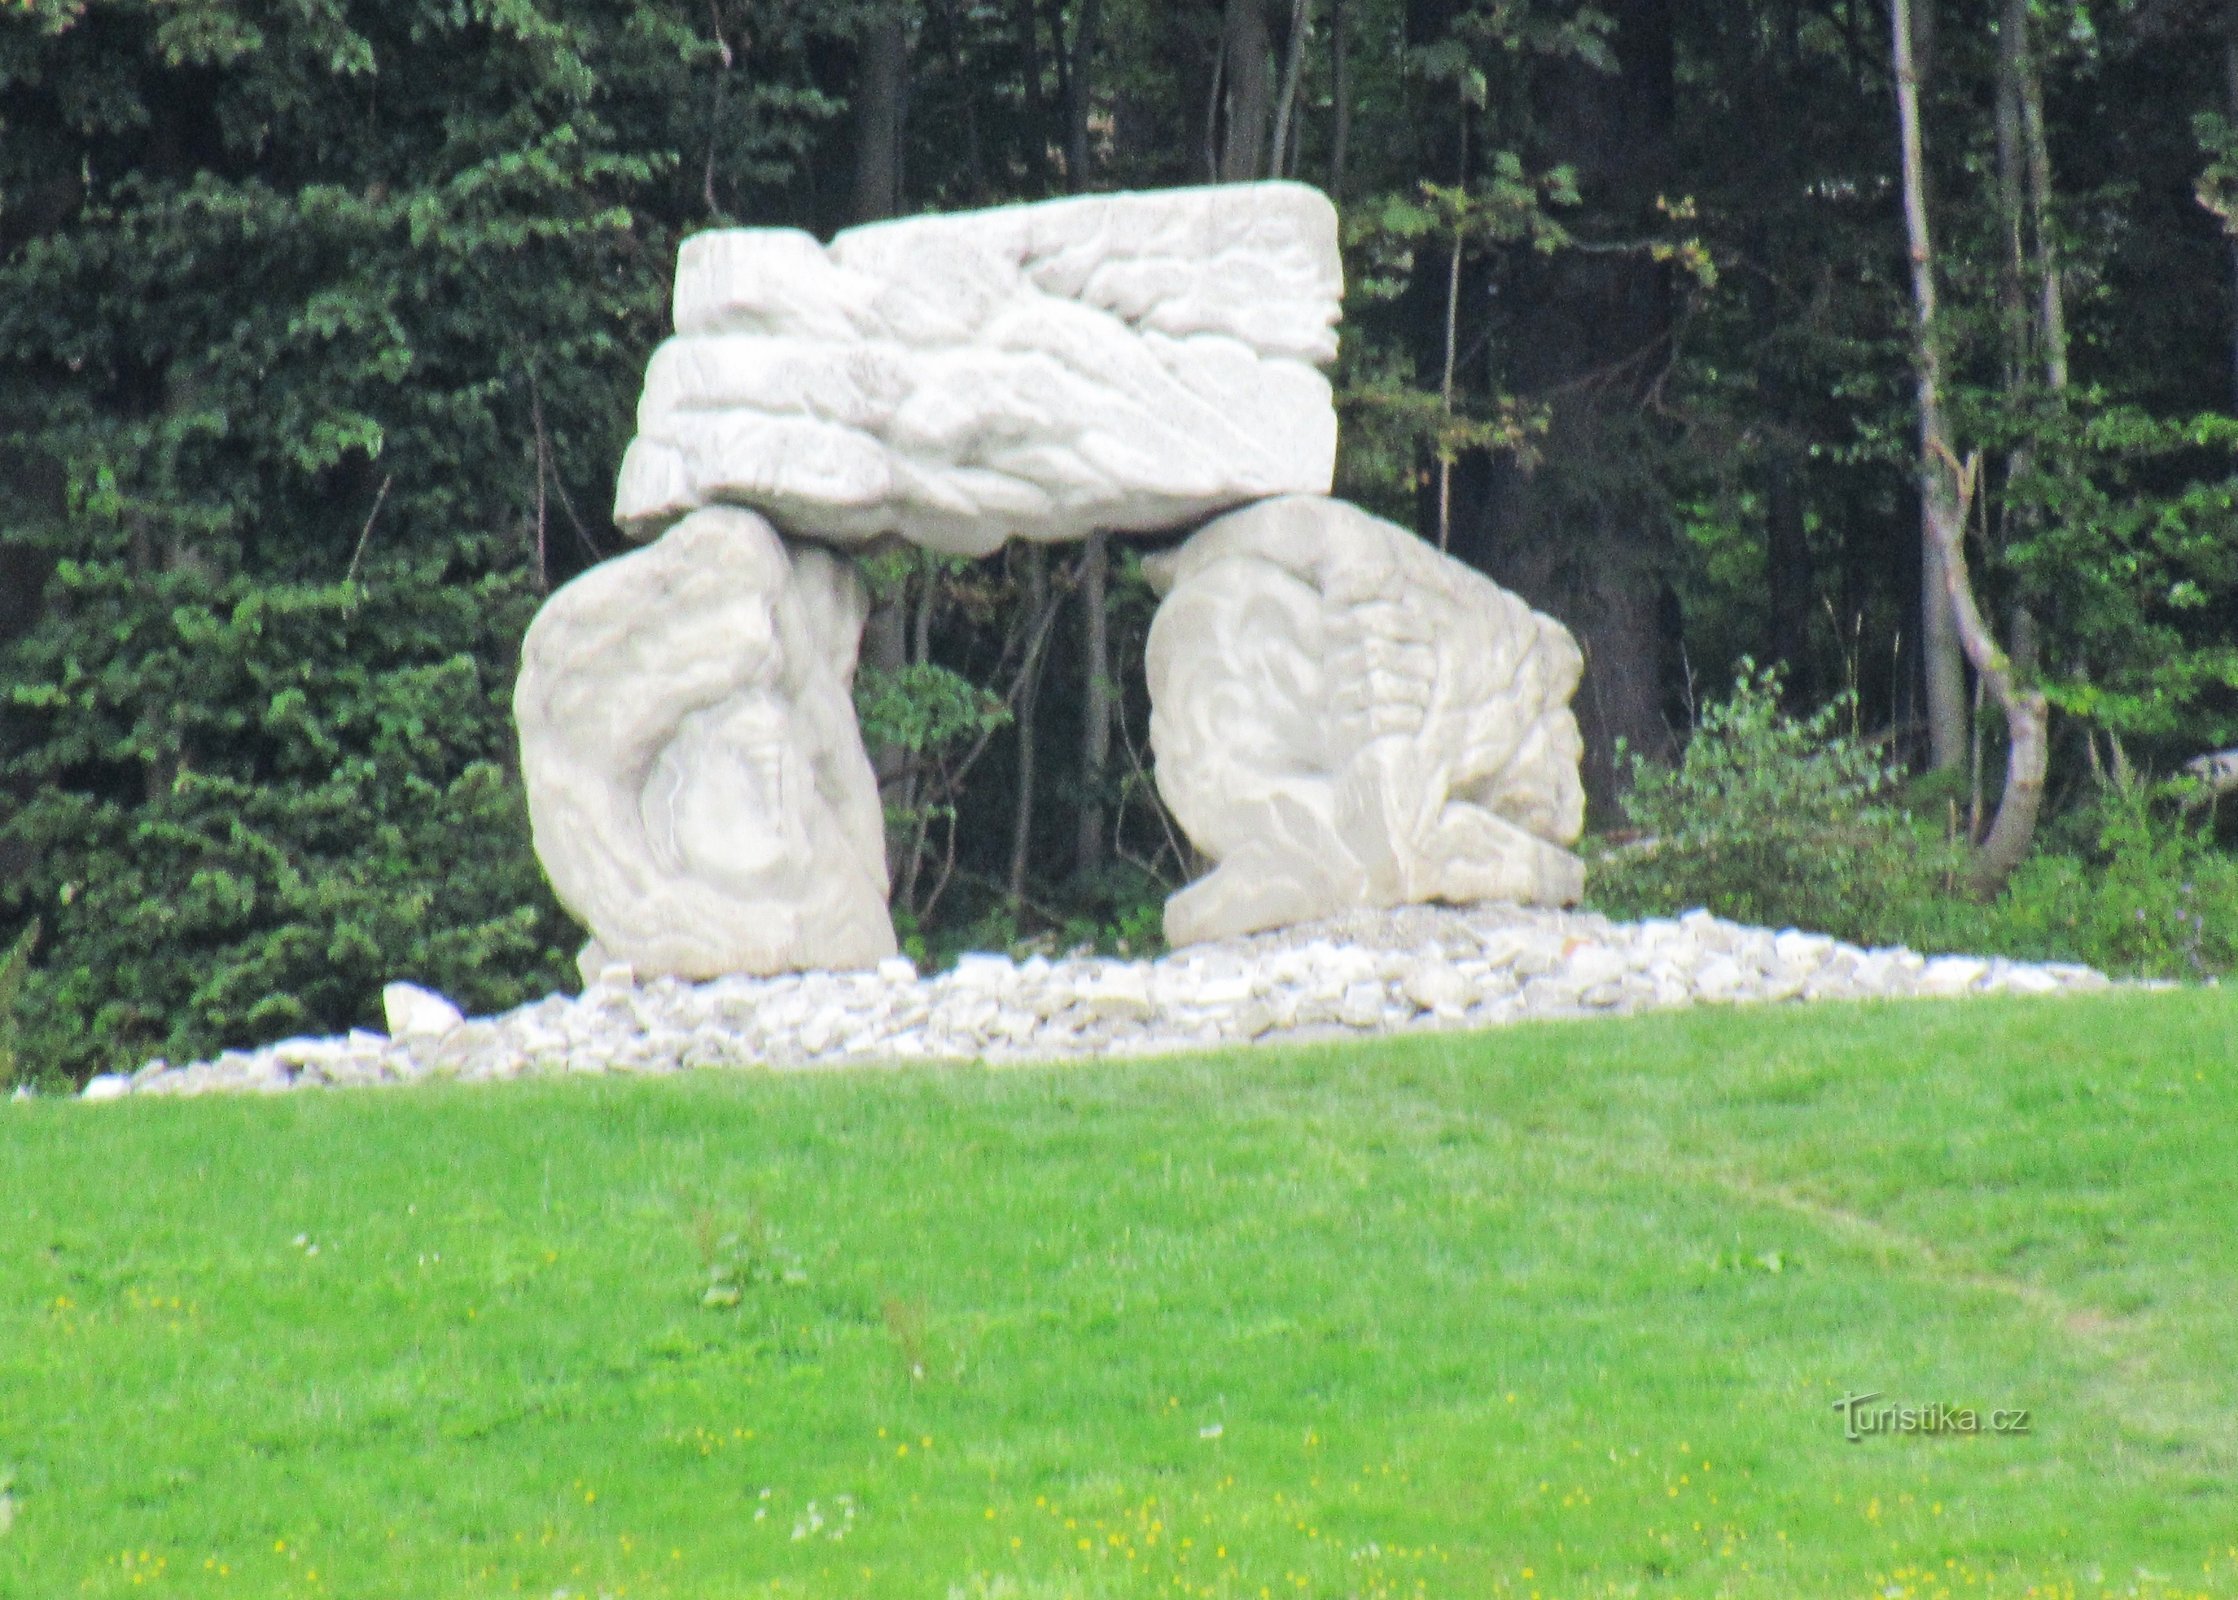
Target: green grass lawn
{"x": 1561, "y": 1310}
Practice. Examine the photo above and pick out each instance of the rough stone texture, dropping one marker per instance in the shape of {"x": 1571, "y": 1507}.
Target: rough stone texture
{"x": 411, "y": 1011}
{"x": 1368, "y": 973}
{"x": 699, "y": 793}
{"x": 1126, "y": 362}
{"x": 1345, "y": 717}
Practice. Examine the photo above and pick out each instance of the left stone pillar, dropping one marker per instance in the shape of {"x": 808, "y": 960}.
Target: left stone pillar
{"x": 697, "y": 786}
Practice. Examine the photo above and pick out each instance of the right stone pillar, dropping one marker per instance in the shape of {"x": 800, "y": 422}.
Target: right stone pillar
{"x": 1344, "y": 717}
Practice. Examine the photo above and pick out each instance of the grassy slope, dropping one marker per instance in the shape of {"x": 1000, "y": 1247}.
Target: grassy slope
{"x": 1473, "y": 1316}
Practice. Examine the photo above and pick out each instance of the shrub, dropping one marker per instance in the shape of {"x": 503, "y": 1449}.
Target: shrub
{"x": 1775, "y": 820}
{"x": 2150, "y": 896}
{"x": 332, "y": 808}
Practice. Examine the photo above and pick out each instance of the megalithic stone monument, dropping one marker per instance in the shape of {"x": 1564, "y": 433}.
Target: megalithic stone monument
{"x": 1344, "y": 717}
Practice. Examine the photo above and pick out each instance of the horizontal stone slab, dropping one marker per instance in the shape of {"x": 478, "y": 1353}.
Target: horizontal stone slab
{"x": 1130, "y": 362}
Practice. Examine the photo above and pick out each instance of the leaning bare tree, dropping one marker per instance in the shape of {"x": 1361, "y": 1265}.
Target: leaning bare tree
{"x": 1947, "y": 488}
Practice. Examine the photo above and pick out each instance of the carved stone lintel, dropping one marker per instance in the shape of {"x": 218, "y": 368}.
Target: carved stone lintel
{"x": 1124, "y": 362}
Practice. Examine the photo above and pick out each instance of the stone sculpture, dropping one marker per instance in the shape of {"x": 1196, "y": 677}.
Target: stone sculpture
{"x": 1124, "y": 362}
{"x": 698, "y": 791}
{"x": 1344, "y": 717}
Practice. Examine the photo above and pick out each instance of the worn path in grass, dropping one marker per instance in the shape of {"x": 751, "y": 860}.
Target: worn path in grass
{"x": 1561, "y": 1310}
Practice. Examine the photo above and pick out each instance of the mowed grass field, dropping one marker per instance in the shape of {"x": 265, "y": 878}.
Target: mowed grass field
{"x": 1556, "y": 1311}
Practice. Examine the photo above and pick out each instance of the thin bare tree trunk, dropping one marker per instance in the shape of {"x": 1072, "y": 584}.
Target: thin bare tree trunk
{"x": 1035, "y": 558}
{"x": 1095, "y": 731}
{"x": 1086, "y": 31}
{"x": 1280, "y": 155}
{"x": 1037, "y": 116}
{"x": 1445, "y": 389}
{"x": 1217, "y": 88}
{"x": 1947, "y": 488}
{"x": 2020, "y": 335}
{"x": 2012, "y": 195}
{"x": 1245, "y": 50}
{"x": 2051, "y": 296}
{"x": 1340, "y": 88}
{"x": 883, "y": 88}
{"x": 1095, "y": 662}
{"x": 2230, "y": 110}
{"x": 1943, "y": 662}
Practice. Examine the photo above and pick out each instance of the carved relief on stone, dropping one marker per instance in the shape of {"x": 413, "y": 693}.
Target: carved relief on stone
{"x": 1128, "y": 362}
{"x": 1344, "y": 717}
{"x": 697, "y": 787}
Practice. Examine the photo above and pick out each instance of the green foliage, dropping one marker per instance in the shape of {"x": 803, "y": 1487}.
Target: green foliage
{"x": 1396, "y": 419}
{"x": 328, "y": 809}
{"x": 742, "y": 1258}
{"x": 2149, "y": 895}
{"x": 318, "y": 325}
{"x": 1779, "y": 820}
{"x": 2128, "y": 537}
{"x": 1774, "y": 820}
{"x": 321, "y": 327}
{"x": 15, "y": 967}
{"x": 923, "y": 708}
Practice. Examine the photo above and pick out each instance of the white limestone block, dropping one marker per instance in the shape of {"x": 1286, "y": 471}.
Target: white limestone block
{"x": 698, "y": 791}
{"x": 1343, "y": 717}
{"x": 1128, "y": 362}
{"x": 414, "y": 1012}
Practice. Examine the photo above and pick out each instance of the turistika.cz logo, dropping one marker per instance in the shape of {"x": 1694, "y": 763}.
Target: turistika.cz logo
{"x": 1862, "y": 1419}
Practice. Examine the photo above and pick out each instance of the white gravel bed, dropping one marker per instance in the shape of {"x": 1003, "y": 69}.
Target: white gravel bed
{"x": 1371, "y": 973}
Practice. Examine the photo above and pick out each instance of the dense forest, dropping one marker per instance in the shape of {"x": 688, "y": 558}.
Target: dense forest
{"x": 1890, "y": 344}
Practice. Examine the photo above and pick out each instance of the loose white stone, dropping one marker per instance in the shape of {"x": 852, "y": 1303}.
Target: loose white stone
{"x": 1947, "y": 975}
{"x": 109, "y": 1086}
{"x": 417, "y": 1013}
{"x": 1718, "y": 979}
{"x": 1593, "y": 964}
{"x": 1367, "y": 973}
{"x": 1433, "y": 986}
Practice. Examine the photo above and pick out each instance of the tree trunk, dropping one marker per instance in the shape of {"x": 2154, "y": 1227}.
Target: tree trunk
{"x": 1787, "y": 568}
{"x": 1340, "y": 89}
{"x": 1586, "y": 537}
{"x": 2230, "y": 110}
{"x": 1035, "y": 559}
{"x": 880, "y": 99}
{"x": 1247, "y": 74}
{"x": 2024, "y": 172}
{"x": 1445, "y": 385}
{"x": 2051, "y": 294}
{"x": 1037, "y": 115}
{"x": 882, "y": 87}
{"x": 1095, "y": 728}
{"x": 1941, "y": 655}
{"x": 2012, "y": 197}
{"x": 1079, "y": 103}
{"x": 1095, "y": 633}
{"x": 1282, "y": 153}
{"x": 1946, "y": 490}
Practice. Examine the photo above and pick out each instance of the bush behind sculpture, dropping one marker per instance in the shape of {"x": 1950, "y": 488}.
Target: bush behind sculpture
{"x": 1775, "y": 820}
{"x": 348, "y": 747}
{"x": 306, "y": 391}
